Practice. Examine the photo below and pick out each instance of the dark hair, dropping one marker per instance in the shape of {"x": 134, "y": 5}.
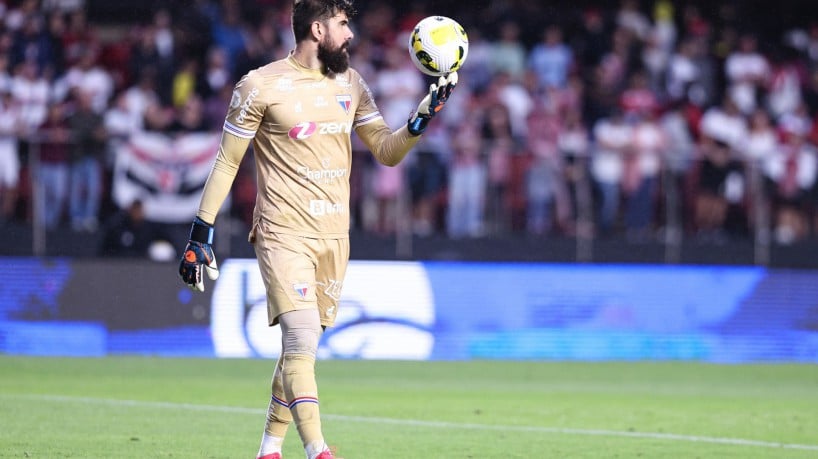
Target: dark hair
{"x": 305, "y": 12}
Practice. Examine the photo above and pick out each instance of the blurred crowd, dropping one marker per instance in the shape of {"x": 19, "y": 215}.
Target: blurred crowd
{"x": 626, "y": 118}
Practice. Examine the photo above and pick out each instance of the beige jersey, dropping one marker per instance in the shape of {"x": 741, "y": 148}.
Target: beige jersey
{"x": 300, "y": 121}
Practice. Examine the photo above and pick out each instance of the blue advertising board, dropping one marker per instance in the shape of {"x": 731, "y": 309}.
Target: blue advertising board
{"x": 422, "y": 311}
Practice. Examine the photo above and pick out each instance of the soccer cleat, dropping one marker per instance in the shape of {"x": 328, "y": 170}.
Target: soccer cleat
{"x": 270, "y": 456}
{"x": 328, "y": 454}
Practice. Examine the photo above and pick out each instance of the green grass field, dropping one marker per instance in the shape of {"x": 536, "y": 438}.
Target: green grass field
{"x": 131, "y": 407}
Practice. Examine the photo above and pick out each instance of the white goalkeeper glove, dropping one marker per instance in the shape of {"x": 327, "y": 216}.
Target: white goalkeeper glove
{"x": 431, "y": 104}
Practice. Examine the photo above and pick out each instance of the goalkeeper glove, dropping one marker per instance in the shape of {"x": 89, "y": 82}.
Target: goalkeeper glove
{"x": 431, "y": 104}
{"x": 199, "y": 254}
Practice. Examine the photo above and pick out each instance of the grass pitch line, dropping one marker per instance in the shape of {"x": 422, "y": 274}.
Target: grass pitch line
{"x": 423, "y": 423}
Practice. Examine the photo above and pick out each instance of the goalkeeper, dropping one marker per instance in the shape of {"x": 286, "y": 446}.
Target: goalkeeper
{"x": 299, "y": 113}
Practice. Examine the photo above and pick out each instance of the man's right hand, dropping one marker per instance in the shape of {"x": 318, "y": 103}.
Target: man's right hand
{"x": 433, "y": 102}
{"x": 199, "y": 255}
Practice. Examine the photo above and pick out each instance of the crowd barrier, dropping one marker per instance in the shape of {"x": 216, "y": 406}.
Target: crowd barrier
{"x": 420, "y": 311}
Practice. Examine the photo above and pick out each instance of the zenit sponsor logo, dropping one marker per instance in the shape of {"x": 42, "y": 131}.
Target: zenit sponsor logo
{"x": 307, "y": 129}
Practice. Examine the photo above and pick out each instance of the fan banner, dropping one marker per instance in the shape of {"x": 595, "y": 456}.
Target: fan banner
{"x": 167, "y": 173}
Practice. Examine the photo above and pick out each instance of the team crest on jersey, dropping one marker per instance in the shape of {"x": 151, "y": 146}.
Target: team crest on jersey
{"x": 345, "y": 101}
{"x": 301, "y": 289}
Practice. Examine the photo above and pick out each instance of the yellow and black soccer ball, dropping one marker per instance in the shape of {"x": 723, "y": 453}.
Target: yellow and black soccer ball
{"x": 438, "y": 45}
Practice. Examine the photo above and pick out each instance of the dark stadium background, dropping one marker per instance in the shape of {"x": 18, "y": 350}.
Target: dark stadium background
{"x": 767, "y": 19}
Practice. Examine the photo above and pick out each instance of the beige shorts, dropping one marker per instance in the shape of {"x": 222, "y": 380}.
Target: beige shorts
{"x": 301, "y": 273}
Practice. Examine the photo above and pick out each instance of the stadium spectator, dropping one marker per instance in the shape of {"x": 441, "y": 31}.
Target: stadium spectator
{"x": 630, "y": 17}
{"x": 427, "y": 179}
{"x": 508, "y": 55}
{"x": 791, "y": 173}
{"x": 787, "y": 82}
{"x": 518, "y": 102}
{"x": 638, "y": 99}
{"x": 32, "y": 43}
{"x": 120, "y": 124}
{"x": 761, "y": 144}
{"x": 79, "y": 35}
{"x": 16, "y": 16}
{"x": 263, "y": 46}
{"x": 721, "y": 192}
{"x": 229, "y": 31}
{"x": 32, "y": 92}
{"x": 612, "y": 137}
{"x": 747, "y": 72}
{"x": 398, "y": 84}
{"x": 189, "y": 117}
{"x": 501, "y": 147}
{"x": 590, "y": 42}
{"x": 89, "y": 138}
{"x": 127, "y": 233}
{"x": 10, "y": 124}
{"x": 761, "y": 141}
{"x": 642, "y": 178}
{"x": 682, "y": 73}
{"x": 149, "y": 69}
{"x": 90, "y": 78}
{"x": 54, "y": 168}
{"x": 573, "y": 144}
{"x": 5, "y": 76}
{"x": 142, "y": 95}
{"x": 678, "y": 162}
{"x": 466, "y": 186}
{"x": 185, "y": 82}
{"x": 551, "y": 60}
{"x": 543, "y": 181}
{"x": 163, "y": 36}
{"x": 215, "y": 74}
{"x": 478, "y": 69}
{"x": 215, "y": 106}
{"x": 541, "y": 184}
{"x": 615, "y": 65}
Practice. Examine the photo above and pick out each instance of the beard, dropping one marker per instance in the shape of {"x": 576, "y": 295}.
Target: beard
{"x": 336, "y": 60}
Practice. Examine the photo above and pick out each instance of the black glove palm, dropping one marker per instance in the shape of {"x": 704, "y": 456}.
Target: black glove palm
{"x": 199, "y": 254}
{"x": 431, "y": 104}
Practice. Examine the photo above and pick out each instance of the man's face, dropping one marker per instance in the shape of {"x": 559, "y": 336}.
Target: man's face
{"x": 333, "y": 49}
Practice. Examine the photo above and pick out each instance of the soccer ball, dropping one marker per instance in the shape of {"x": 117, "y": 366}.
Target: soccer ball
{"x": 438, "y": 45}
